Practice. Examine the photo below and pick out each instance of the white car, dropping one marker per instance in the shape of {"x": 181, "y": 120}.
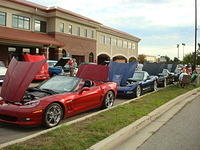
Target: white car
{"x": 3, "y": 70}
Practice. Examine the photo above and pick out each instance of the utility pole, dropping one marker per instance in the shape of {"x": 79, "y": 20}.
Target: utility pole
{"x": 178, "y": 51}
{"x": 195, "y": 47}
{"x": 183, "y": 44}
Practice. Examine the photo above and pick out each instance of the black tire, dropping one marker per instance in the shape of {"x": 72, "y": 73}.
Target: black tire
{"x": 138, "y": 91}
{"x": 155, "y": 86}
{"x": 108, "y": 99}
{"x": 164, "y": 83}
{"x": 50, "y": 118}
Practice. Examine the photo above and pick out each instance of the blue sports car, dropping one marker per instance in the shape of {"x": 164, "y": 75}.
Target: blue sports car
{"x": 140, "y": 83}
{"x": 130, "y": 82}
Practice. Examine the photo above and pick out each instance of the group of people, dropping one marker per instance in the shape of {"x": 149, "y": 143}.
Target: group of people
{"x": 187, "y": 71}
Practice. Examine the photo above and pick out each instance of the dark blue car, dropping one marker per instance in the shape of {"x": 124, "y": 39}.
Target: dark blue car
{"x": 130, "y": 82}
{"x": 140, "y": 83}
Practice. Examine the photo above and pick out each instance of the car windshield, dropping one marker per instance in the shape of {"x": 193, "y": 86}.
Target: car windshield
{"x": 138, "y": 76}
{"x": 51, "y": 64}
{"x": 2, "y": 64}
{"x": 60, "y": 84}
{"x": 165, "y": 72}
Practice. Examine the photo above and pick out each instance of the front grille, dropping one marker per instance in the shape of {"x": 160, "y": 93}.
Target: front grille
{"x": 121, "y": 92}
{"x": 8, "y": 118}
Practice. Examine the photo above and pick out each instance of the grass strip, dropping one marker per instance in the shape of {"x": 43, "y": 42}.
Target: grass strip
{"x": 82, "y": 135}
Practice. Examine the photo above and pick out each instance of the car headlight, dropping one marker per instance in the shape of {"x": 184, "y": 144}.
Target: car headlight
{"x": 30, "y": 104}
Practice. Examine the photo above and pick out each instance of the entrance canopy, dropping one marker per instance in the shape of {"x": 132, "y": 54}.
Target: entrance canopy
{"x": 28, "y": 36}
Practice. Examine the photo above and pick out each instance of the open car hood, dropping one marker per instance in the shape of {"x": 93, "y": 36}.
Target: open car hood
{"x": 93, "y": 72}
{"x": 62, "y": 61}
{"x": 18, "y": 77}
{"x": 154, "y": 68}
{"x": 171, "y": 67}
{"x": 120, "y": 72}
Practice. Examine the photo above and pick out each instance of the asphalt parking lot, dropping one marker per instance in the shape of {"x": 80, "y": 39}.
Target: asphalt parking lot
{"x": 10, "y": 132}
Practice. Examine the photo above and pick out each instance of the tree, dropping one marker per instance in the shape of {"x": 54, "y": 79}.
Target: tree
{"x": 188, "y": 58}
{"x": 176, "y": 60}
{"x": 167, "y": 59}
{"x": 142, "y": 59}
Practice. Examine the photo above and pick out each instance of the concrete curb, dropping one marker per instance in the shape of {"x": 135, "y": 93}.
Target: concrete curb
{"x": 139, "y": 122}
{"x": 126, "y": 132}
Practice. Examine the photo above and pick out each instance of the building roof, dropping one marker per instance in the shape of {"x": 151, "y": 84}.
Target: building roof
{"x": 122, "y": 33}
{"x": 51, "y": 9}
{"x": 29, "y": 4}
{"x": 28, "y": 36}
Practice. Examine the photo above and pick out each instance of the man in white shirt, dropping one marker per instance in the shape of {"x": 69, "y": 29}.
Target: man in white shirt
{"x": 182, "y": 74}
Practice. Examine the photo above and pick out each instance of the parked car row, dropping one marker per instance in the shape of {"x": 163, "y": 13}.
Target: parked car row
{"x": 62, "y": 96}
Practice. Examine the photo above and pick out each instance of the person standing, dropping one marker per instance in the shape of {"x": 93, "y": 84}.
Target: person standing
{"x": 72, "y": 66}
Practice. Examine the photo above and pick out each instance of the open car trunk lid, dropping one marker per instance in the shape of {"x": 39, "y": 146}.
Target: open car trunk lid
{"x": 18, "y": 77}
{"x": 93, "y": 72}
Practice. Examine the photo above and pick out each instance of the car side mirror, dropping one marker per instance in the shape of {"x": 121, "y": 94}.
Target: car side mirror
{"x": 84, "y": 89}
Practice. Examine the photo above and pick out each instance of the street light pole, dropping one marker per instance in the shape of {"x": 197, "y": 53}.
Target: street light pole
{"x": 195, "y": 47}
{"x": 178, "y": 50}
{"x": 183, "y": 48}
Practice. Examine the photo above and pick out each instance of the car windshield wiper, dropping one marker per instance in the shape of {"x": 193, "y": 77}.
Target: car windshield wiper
{"x": 49, "y": 91}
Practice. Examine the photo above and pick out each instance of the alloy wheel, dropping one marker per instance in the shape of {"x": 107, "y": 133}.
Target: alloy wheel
{"x": 138, "y": 91}
{"x": 155, "y": 86}
{"x": 164, "y": 83}
{"x": 109, "y": 99}
{"x": 53, "y": 115}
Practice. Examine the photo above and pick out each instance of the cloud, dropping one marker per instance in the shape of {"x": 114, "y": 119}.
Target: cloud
{"x": 161, "y": 24}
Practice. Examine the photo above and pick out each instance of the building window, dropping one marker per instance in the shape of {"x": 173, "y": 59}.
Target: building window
{"x": 85, "y": 33}
{"x": 78, "y": 31}
{"x": 129, "y": 45}
{"x": 119, "y": 43}
{"x": 114, "y": 42}
{"x": 40, "y": 26}
{"x": 108, "y": 40}
{"x": 91, "y": 57}
{"x": 133, "y": 46}
{"x": 62, "y": 27}
{"x": 21, "y": 22}
{"x": 70, "y": 29}
{"x": 2, "y": 18}
{"x": 92, "y": 32}
{"x": 102, "y": 39}
{"x": 125, "y": 44}
{"x": 26, "y": 50}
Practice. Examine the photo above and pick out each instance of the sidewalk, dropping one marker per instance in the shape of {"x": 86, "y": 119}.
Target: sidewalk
{"x": 152, "y": 122}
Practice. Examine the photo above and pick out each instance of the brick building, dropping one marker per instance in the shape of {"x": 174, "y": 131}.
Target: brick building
{"x": 26, "y": 27}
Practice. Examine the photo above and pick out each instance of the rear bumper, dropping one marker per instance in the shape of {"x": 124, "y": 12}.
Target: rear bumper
{"x": 41, "y": 77}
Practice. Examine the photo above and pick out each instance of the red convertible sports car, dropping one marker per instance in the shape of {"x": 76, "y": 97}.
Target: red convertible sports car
{"x": 54, "y": 99}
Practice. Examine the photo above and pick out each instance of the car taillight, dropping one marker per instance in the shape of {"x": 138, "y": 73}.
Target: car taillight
{"x": 30, "y": 104}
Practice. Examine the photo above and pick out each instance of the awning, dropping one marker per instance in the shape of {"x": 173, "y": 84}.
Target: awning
{"x": 28, "y": 36}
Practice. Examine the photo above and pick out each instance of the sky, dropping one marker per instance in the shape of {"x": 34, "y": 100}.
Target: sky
{"x": 160, "y": 24}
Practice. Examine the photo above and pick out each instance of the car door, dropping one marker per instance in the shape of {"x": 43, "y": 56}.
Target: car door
{"x": 87, "y": 99}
